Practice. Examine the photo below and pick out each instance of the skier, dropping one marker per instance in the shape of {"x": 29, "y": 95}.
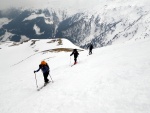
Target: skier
{"x": 45, "y": 69}
{"x": 90, "y": 46}
{"x": 75, "y": 52}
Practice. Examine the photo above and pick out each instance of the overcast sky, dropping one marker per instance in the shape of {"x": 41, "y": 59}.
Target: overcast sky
{"x": 71, "y": 4}
{"x": 48, "y": 3}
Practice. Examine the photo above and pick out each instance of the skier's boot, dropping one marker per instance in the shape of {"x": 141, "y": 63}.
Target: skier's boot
{"x": 75, "y": 63}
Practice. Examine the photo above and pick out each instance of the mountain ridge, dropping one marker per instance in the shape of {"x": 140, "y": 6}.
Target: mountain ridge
{"x": 103, "y": 25}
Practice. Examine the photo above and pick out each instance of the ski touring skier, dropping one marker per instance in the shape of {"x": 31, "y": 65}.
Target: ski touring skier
{"x": 45, "y": 70}
{"x": 75, "y": 53}
{"x": 90, "y": 46}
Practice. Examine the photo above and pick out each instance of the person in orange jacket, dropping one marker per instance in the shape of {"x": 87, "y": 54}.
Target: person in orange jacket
{"x": 45, "y": 69}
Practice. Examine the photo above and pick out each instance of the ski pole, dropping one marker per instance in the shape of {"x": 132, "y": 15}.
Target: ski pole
{"x": 70, "y": 60}
{"x": 78, "y": 59}
{"x": 36, "y": 81}
{"x": 51, "y": 78}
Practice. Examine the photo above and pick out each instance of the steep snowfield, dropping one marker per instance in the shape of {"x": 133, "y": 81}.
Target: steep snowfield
{"x": 114, "y": 79}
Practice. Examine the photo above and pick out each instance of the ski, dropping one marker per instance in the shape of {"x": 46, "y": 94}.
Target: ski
{"x": 73, "y": 64}
{"x": 38, "y": 89}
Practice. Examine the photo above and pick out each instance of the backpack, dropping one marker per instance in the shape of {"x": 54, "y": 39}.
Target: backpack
{"x": 44, "y": 68}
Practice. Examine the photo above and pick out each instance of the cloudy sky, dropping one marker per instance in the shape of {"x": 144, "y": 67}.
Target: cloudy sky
{"x": 68, "y": 4}
{"x": 49, "y": 3}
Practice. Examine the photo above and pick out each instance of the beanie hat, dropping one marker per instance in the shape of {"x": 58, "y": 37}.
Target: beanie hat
{"x": 43, "y": 62}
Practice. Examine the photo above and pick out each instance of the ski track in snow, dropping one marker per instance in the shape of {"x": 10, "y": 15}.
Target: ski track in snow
{"x": 114, "y": 79}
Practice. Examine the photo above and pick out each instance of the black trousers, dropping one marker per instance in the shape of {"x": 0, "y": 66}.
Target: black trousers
{"x": 46, "y": 76}
{"x": 75, "y": 59}
{"x": 90, "y": 51}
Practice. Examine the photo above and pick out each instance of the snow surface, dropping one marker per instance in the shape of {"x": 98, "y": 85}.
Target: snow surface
{"x": 23, "y": 38}
{"x": 33, "y": 16}
{"x": 114, "y": 79}
{"x": 4, "y": 21}
{"x": 6, "y": 36}
{"x": 37, "y": 30}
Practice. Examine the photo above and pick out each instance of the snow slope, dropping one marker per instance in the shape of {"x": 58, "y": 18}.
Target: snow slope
{"x": 114, "y": 79}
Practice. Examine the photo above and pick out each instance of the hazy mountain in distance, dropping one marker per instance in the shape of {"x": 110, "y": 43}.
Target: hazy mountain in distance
{"x": 108, "y": 22}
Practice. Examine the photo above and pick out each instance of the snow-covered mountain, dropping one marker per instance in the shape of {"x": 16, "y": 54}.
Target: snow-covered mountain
{"x": 34, "y": 24}
{"x": 114, "y": 79}
{"x": 110, "y": 21}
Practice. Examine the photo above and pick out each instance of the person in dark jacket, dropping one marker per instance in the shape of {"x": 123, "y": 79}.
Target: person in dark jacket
{"x": 90, "y": 48}
{"x": 75, "y": 53}
{"x": 45, "y": 69}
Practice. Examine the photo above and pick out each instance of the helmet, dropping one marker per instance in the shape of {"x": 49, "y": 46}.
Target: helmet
{"x": 43, "y": 62}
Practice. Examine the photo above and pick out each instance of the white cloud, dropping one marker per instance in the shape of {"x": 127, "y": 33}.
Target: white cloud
{"x": 68, "y": 4}
{"x": 48, "y": 3}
